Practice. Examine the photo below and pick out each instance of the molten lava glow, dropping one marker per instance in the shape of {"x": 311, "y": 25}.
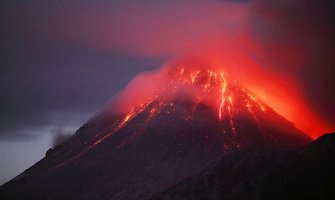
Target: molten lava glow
{"x": 211, "y": 87}
{"x": 153, "y": 94}
{"x": 126, "y": 119}
{"x": 203, "y": 82}
{"x": 204, "y": 85}
{"x": 223, "y": 90}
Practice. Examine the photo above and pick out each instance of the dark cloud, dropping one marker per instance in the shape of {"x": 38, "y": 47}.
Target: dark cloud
{"x": 42, "y": 79}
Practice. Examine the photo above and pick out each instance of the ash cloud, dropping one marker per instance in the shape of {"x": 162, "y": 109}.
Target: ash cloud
{"x": 73, "y": 56}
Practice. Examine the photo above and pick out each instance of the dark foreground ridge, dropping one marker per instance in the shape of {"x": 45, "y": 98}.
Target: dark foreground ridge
{"x": 259, "y": 172}
{"x": 264, "y": 173}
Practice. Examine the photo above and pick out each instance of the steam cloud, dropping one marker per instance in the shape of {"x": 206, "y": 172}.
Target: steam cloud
{"x": 60, "y": 136}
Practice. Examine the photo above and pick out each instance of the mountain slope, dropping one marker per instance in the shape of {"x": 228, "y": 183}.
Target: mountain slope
{"x": 193, "y": 119}
{"x": 265, "y": 173}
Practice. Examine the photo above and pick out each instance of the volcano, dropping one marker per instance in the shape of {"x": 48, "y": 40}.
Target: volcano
{"x": 190, "y": 118}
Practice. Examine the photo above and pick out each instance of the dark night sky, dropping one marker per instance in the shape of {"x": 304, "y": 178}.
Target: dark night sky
{"x": 62, "y": 61}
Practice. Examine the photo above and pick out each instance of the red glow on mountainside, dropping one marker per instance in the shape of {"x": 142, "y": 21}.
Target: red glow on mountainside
{"x": 204, "y": 82}
{"x": 207, "y": 85}
{"x": 182, "y": 90}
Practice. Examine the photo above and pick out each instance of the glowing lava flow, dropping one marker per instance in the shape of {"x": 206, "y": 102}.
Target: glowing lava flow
{"x": 128, "y": 117}
{"x": 207, "y": 86}
{"x": 212, "y": 88}
{"x": 223, "y": 90}
{"x": 198, "y": 85}
{"x": 107, "y": 132}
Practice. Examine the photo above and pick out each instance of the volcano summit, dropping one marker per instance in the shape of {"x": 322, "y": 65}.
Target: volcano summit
{"x": 154, "y": 138}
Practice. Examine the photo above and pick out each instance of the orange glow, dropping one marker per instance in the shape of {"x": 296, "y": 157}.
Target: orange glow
{"x": 208, "y": 85}
{"x": 225, "y": 89}
{"x": 125, "y": 120}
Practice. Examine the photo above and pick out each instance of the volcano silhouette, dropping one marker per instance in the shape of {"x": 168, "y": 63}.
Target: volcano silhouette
{"x": 156, "y": 144}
